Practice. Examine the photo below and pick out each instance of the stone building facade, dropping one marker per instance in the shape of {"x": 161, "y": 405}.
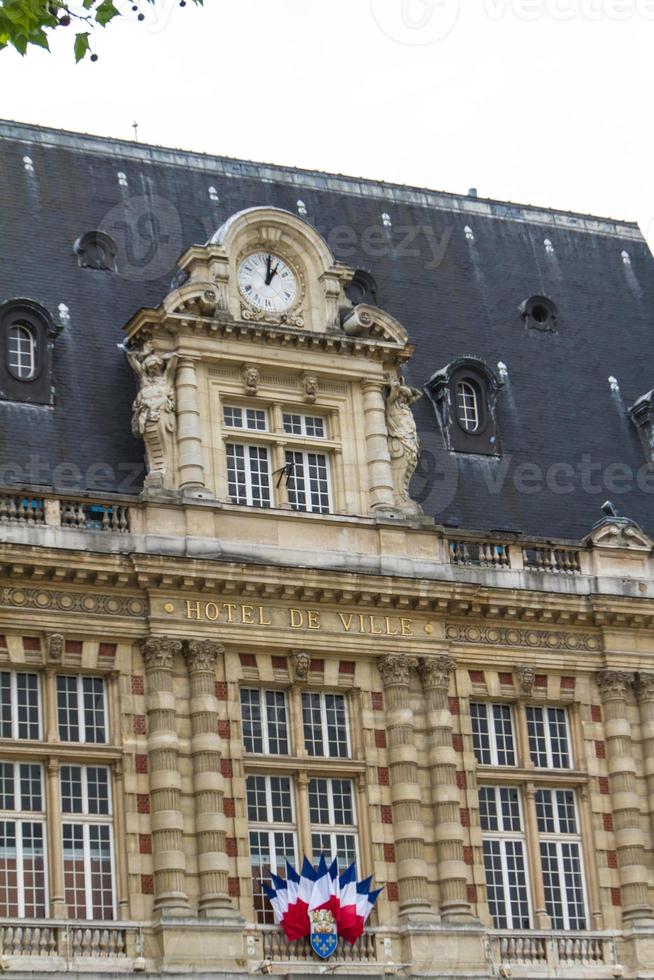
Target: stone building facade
{"x": 273, "y": 650}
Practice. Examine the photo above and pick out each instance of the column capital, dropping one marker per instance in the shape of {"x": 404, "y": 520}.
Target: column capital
{"x": 614, "y": 685}
{"x": 395, "y": 669}
{"x": 159, "y": 652}
{"x": 201, "y": 655}
{"x": 373, "y": 384}
{"x": 645, "y": 686}
{"x": 436, "y": 671}
{"x": 53, "y": 767}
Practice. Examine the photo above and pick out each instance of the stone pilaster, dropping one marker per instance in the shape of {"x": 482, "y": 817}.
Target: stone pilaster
{"x": 614, "y": 688}
{"x": 213, "y": 867}
{"x": 58, "y": 907}
{"x": 645, "y": 694}
{"x": 405, "y": 790}
{"x": 380, "y": 476}
{"x": 189, "y": 436}
{"x": 170, "y": 898}
{"x": 452, "y": 873}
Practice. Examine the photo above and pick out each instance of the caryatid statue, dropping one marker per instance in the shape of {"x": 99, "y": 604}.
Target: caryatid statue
{"x": 403, "y": 442}
{"x": 153, "y": 412}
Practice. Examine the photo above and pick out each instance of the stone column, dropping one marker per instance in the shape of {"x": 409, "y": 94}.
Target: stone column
{"x": 614, "y": 687}
{"x": 58, "y": 908}
{"x": 170, "y": 898}
{"x": 189, "y": 438}
{"x": 536, "y": 882}
{"x": 645, "y": 693}
{"x": 452, "y": 874}
{"x": 405, "y": 790}
{"x": 213, "y": 865}
{"x": 122, "y": 886}
{"x": 380, "y": 476}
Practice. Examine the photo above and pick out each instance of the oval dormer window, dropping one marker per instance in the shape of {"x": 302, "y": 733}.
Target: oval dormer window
{"x": 467, "y": 406}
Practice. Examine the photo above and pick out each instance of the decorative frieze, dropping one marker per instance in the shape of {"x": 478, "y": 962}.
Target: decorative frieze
{"x": 517, "y": 637}
{"x": 87, "y": 603}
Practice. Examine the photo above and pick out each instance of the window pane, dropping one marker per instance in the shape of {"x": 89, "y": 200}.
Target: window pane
{"x": 27, "y": 705}
{"x": 488, "y": 817}
{"x": 552, "y": 882}
{"x": 515, "y": 865}
{"x": 71, "y": 789}
{"x": 312, "y": 720}
{"x": 67, "y": 709}
{"x": 342, "y": 801}
{"x": 297, "y": 491}
{"x": 100, "y": 877}
{"x": 251, "y": 719}
{"x": 318, "y": 801}
{"x": 31, "y": 794}
{"x": 94, "y": 719}
{"x": 33, "y": 870}
{"x": 480, "y": 734}
{"x": 233, "y": 417}
{"x": 255, "y": 418}
{"x": 7, "y": 786}
{"x": 280, "y": 794}
{"x": 22, "y": 351}
{"x": 236, "y": 482}
{"x": 97, "y": 781}
{"x": 276, "y": 722}
{"x": 8, "y": 869}
{"x": 545, "y": 811}
{"x": 503, "y": 735}
{"x": 467, "y": 406}
{"x": 256, "y": 794}
{"x": 335, "y": 712}
{"x": 318, "y": 482}
{"x": 537, "y": 741}
{"x": 574, "y": 892}
{"x": 74, "y": 872}
{"x": 510, "y": 808}
{"x": 559, "y": 738}
{"x": 269, "y": 851}
{"x": 293, "y": 424}
{"x": 315, "y": 427}
{"x": 259, "y": 476}
{"x": 5, "y": 705}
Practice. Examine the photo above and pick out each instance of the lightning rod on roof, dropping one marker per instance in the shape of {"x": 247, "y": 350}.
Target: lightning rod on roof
{"x": 135, "y": 127}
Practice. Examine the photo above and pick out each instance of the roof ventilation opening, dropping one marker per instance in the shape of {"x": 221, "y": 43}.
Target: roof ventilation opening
{"x": 213, "y": 194}
{"x": 469, "y": 233}
{"x": 122, "y": 178}
{"x": 64, "y": 314}
{"x": 549, "y": 248}
{"x": 28, "y": 165}
{"x": 539, "y": 313}
{"x": 95, "y": 250}
{"x": 614, "y": 383}
{"x": 386, "y": 220}
{"x": 626, "y": 258}
{"x": 362, "y": 288}
{"x": 302, "y": 209}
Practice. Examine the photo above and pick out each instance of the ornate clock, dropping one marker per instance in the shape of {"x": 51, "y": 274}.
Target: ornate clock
{"x": 267, "y": 282}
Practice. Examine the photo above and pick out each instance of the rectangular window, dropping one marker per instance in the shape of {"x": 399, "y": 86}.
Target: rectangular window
{"x": 492, "y": 734}
{"x": 271, "y": 833}
{"x": 324, "y": 718}
{"x": 560, "y": 852}
{"x": 81, "y": 709}
{"x": 22, "y": 841}
{"x": 87, "y": 842}
{"x": 245, "y": 418}
{"x": 333, "y": 820}
{"x": 504, "y": 856}
{"x": 312, "y": 426}
{"x": 264, "y": 718}
{"x": 308, "y": 482}
{"x": 248, "y": 475}
{"x": 19, "y": 705}
{"x": 549, "y": 741}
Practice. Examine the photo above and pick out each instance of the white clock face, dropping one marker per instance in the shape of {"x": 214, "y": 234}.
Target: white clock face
{"x": 267, "y": 282}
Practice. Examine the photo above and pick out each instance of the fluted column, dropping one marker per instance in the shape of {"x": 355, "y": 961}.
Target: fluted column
{"x": 213, "y": 865}
{"x": 645, "y": 693}
{"x": 380, "y": 476}
{"x": 405, "y": 790}
{"x": 614, "y": 687}
{"x": 452, "y": 873}
{"x": 170, "y": 898}
{"x": 189, "y": 436}
{"x": 58, "y": 907}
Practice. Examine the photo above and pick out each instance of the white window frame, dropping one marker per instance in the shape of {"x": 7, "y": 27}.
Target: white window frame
{"x": 314, "y": 504}
{"x": 559, "y": 838}
{"x": 265, "y": 723}
{"x": 247, "y": 472}
{"x": 467, "y": 406}
{"x": 18, "y": 803}
{"x": 81, "y": 710}
{"x": 333, "y": 829}
{"x": 19, "y": 821}
{"x": 493, "y": 747}
{"x": 270, "y": 821}
{"x": 244, "y": 424}
{"x": 270, "y": 828}
{"x": 17, "y": 359}
{"x": 546, "y": 722}
{"x": 85, "y": 820}
{"x": 303, "y": 425}
{"x": 324, "y": 726}
{"x": 503, "y": 837}
{"x": 13, "y": 701}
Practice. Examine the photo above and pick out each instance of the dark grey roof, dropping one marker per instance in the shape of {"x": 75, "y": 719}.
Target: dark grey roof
{"x": 456, "y": 295}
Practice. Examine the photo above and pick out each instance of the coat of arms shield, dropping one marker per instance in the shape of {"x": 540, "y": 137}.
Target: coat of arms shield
{"x": 324, "y": 934}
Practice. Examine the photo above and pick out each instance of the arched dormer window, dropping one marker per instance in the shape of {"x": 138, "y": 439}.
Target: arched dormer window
{"x": 96, "y": 250}
{"x": 464, "y": 396}
{"x": 26, "y": 333}
{"x": 539, "y": 313}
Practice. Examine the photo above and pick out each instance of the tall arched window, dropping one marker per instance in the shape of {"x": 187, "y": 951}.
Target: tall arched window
{"x": 21, "y": 351}
{"x": 467, "y": 405}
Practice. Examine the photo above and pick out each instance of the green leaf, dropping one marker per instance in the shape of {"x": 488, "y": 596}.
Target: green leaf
{"x": 39, "y": 38}
{"x": 20, "y": 43}
{"x": 106, "y": 12}
{"x": 81, "y": 45}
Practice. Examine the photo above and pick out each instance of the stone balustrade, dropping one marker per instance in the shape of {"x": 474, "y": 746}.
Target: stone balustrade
{"x": 115, "y": 946}
{"x": 552, "y": 954}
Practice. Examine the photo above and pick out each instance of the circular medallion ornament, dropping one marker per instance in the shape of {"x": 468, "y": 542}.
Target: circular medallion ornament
{"x": 267, "y": 282}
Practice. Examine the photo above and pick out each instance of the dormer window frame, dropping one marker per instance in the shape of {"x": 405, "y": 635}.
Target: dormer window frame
{"x": 21, "y": 321}
{"x": 445, "y": 389}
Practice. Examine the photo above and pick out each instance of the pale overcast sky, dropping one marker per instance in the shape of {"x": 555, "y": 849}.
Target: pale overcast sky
{"x": 545, "y": 102}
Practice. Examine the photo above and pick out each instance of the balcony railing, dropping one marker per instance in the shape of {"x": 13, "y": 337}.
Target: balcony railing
{"x": 91, "y": 515}
{"x": 276, "y": 947}
{"x": 552, "y": 953}
{"x": 69, "y": 941}
{"x": 19, "y": 509}
{"x": 560, "y": 560}
{"x": 486, "y": 554}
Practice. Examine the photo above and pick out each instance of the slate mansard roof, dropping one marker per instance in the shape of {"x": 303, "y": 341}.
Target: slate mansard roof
{"x": 453, "y": 269}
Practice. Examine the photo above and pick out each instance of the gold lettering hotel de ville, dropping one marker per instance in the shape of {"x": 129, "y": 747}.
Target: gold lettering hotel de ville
{"x": 331, "y": 616}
